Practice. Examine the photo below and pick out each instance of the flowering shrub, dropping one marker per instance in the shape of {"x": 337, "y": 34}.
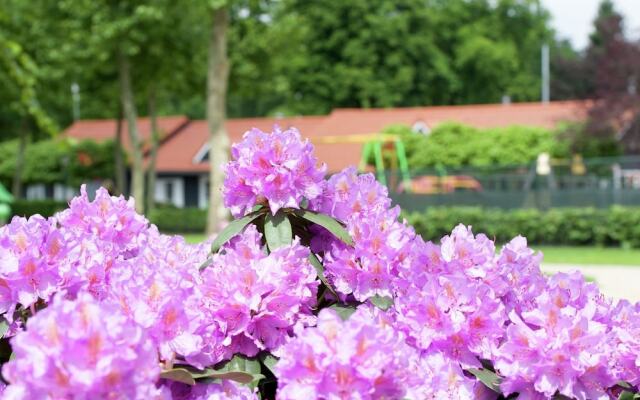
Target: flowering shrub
{"x": 316, "y": 290}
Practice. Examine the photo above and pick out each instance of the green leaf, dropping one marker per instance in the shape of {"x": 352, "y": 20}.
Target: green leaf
{"x": 277, "y": 230}
{"x": 313, "y": 259}
{"x": 4, "y": 327}
{"x": 382, "y": 302}
{"x": 343, "y": 311}
{"x": 625, "y": 395}
{"x": 233, "y": 229}
{"x": 489, "y": 378}
{"x": 327, "y": 222}
{"x": 241, "y": 367}
{"x": 179, "y": 375}
{"x": 269, "y": 361}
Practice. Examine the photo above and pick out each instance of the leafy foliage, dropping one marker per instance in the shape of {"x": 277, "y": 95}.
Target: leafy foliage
{"x": 561, "y": 226}
{"x": 454, "y": 145}
{"x": 59, "y": 161}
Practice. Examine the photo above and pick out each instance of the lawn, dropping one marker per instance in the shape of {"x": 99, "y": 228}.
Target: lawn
{"x": 589, "y": 255}
{"x": 193, "y": 237}
{"x": 553, "y": 254}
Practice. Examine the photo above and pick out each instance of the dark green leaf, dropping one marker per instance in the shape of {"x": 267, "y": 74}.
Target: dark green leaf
{"x": 269, "y": 361}
{"x": 489, "y": 378}
{"x": 4, "y": 327}
{"x": 232, "y": 229}
{"x": 179, "y": 375}
{"x": 313, "y": 259}
{"x": 382, "y": 302}
{"x": 240, "y": 367}
{"x": 626, "y": 395}
{"x": 327, "y": 222}
{"x": 277, "y": 230}
{"x": 343, "y": 311}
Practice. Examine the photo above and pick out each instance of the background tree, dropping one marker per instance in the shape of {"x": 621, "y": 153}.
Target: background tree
{"x": 217, "y": 77}
{"x": 18, "y": 78}
{"x": 614, "y": 62}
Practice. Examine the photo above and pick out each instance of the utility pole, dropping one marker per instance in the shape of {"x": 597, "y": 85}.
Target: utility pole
{"x": 545, "y": 74}
{"x": 75, "y": 99}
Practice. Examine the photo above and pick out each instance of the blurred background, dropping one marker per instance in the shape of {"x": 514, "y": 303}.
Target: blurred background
{"x": 515, "y": 116}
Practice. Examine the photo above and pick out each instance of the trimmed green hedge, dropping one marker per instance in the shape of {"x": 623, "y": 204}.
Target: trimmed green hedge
{"x": 179, "y": 220}
{"x": 46, "y": 208}
{"x": 561, "y": 226}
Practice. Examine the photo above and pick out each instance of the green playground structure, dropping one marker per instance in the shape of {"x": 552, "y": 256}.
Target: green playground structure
{"x": 5, "y": 200}
{"x": 377, "y": 144}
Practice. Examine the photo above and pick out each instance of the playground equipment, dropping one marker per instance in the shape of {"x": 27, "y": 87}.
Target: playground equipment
{"x": 377, "y": 144}
{"x": 5, "y": 199}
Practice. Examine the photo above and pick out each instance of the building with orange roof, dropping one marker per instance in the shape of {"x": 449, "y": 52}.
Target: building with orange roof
{"x": 183, "y": 159}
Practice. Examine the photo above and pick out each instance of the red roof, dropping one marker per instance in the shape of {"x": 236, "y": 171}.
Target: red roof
{"x": 182, "y": 140}
{"x": 103, "y": 129}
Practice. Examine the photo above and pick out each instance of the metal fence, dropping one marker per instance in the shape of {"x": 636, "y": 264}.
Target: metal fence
{"x": 598, "y": 182}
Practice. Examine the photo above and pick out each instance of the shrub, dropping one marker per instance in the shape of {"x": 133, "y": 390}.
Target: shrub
{"x": 456, "y": 145}
{"x": 179, "y": 220}
{"x": 46, "y": 208}
{"x": 560, "y": 226}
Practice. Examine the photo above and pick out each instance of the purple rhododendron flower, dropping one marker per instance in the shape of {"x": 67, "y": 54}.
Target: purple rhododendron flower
{"x": 381, "y": 243}
{"x": 30, "y": 253}
{"x": 128, "y": 299}
{"x": 366, "y": 357}
{"x": 278, "y": 169}
{"x": 561, "y": 345}
{"x": 250, "y": 301}
{"x": 81, "y": 349}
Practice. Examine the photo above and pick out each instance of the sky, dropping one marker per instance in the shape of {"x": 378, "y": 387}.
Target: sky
{"x": 573, "y": 19}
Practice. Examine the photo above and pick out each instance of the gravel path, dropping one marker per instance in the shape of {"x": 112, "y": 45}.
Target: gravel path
{"x": 614, "y": 280}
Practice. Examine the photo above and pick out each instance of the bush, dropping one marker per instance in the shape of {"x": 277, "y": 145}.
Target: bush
{"x": 457, "y": 145}
{"x": 560, "y": 226}
{"x": 59, "y": 160}
{"x": 27, "y": 208}
{"x": 179, "y": 220}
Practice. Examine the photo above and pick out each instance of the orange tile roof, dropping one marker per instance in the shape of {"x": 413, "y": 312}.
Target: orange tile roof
{"x": 180, "y": 146}
{"x": 103, "y": 129}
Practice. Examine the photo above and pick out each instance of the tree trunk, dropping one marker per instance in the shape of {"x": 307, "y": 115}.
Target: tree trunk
{"x": 16, "y": 187}
{"x": 130, "y": 113}
{"x": 155, "y": 141}
{"x": 217, "y": 76}
{"x": 121, "y": 178}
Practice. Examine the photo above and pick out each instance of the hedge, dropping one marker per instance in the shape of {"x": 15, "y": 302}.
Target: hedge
{"x": 617, "y": 225}
{"x": 46, "y": 208}
{"x": 179, "y": 220}
{"x": 168, "y": 219}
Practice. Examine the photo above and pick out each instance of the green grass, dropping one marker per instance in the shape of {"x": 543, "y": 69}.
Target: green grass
{"x": 552, "y": 254}
{"x": 589, "y": 255}
{"x": 194, "y": 237}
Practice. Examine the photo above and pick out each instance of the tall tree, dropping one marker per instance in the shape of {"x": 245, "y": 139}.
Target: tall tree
{"x": 614, "y": 61}
{"x": 131, "y": 116}
{"x": 217, "y": 77}
{"x": 18, "y": 77}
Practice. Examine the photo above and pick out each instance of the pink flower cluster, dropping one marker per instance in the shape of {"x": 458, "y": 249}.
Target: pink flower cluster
{"x": 249, "y": 301}
{"x": 276, "y": 168}
{"x": 382, "y": 243}
{"x": 364, "y": 356}
{"x": 108, "y": 301}
{"x": 29, "y": 270}
{"x": 81, "y": 347}
{"x": 103, "y": 257}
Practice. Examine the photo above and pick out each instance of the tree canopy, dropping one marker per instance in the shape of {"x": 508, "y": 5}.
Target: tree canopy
{"x": 290, "y": 56}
